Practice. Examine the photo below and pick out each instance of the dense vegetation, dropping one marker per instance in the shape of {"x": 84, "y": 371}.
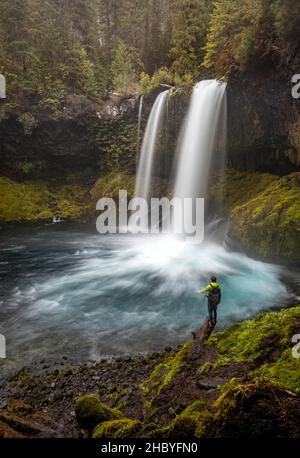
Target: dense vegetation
{"x": 53, "y": 49}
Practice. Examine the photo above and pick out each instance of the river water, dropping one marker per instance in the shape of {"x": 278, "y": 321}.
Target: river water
{"x": 66, "y": 290}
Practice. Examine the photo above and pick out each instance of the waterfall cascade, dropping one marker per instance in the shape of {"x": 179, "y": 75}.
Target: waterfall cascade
{"x": 144, "y": 172}
{"x": 201, "y": 145}
{"x": 202, "y": 141}
{"x": 140, "y": 121}
{"x": 201, "y": 134}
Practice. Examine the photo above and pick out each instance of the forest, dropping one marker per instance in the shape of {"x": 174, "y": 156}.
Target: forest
{"x": 117, "y": 334}
{"x": 89, "y": 48}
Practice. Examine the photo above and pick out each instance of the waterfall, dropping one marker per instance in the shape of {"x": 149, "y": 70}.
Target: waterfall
{"x": 203, "y": 134}
{"x": 140, "y": 121}
{"x": 144, "y": 172}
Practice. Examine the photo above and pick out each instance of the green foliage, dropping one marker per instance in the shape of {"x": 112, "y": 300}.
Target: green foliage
{"x": 53, "y": 49}
{"x": 116, "y": 142}
{"x": 189, "y": 20}
{"x": 249, "y": 32}
{"x": 161, "y": 76}
{"x": 110, "y": 184}
{"x": 90, "y": 411}
{"x": 123, "y": 73}
{"x": 49, "y": 50}
{"x": 28, "y": 122}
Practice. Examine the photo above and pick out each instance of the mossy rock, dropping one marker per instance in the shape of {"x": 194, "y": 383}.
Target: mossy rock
{"x": 123, "y": 427}
{"x": 254, "y": 409}
{"x": 268, "y": 225}
{"x": 236, "y": 187}
{"x": 263, "y": 210}
{"x": 192, "y": 419}
{"x": 163, "y": 374}
{"x": 109, "y": 186}
{"x": 183, "y": 428}
{"x": 265, "y": 342}
{"x": 90, "y": 411}
{"x": 38, "y": 200}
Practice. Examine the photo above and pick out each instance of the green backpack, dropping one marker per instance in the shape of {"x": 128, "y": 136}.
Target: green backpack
{"x": 214, "y": 295}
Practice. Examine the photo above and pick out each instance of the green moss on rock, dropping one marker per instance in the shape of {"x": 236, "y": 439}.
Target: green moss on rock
{"x": 164, "y": 372}
{"x": 123, "y": 427}
{"x": 258, "y": 408}
{"x": 253, "y": 338}
{"x": 256, "y": 340}
{"x": 285, "y": 371}
{"x": 268, "y": 225}
{"x": 38, "y": 200}
{"x": 237, "y": 187}
{"x": 90, "y": 411}
{"x": 109, "y": 186}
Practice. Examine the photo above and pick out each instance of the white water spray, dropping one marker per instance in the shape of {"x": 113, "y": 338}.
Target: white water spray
{"x": 144, "y": 173}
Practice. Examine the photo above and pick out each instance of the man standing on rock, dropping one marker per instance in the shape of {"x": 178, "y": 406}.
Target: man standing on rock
{"x": 213, "y": 291}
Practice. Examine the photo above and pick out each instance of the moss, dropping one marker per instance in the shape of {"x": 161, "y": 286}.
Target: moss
{"x": 269, "y": 223}
{"x": 164, "y": 372}
{"x": 191, "y": 421}
{"x": 255, "y": 338}
{"x": 37, "y": 200}
{"x": 285, "y": 371}
{"x": 183, "y": 427}
{"x": 265, "y": 341}
{"x": 264, "y": 211}
{"x": 250, "y": 409}
{"x": 239, "y": 187}
{"x": 117, "y": 428}
{"x": 90, "y": 411}
{"x": 109, "y": 186}
{"x": 152, "y": 430}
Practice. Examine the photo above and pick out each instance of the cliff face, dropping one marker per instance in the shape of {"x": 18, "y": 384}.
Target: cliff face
{"x": 86, "y": 139}
{"x": 264, "y": 120}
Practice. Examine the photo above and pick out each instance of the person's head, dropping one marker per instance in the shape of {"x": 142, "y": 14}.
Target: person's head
{"x": 213, "y": 279}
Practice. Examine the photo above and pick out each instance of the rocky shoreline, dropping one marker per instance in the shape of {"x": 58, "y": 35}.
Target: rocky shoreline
{"x": 243, "y": 382}
{"x": 43, "y": 397}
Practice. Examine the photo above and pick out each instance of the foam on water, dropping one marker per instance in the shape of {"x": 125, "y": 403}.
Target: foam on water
{"x": 120, "y": 294}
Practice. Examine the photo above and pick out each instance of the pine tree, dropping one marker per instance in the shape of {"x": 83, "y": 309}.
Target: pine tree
{"x": 189, "y": 28}
{"x": 123, "y": 74}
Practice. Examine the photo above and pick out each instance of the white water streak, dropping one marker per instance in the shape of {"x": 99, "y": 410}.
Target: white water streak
{"x": 204, "y": 129}
{"x": 144, "y": 173}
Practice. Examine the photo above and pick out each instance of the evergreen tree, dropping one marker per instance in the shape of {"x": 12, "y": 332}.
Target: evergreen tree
{"x": 189, "y": 29}
{"x": 123, "y": 74}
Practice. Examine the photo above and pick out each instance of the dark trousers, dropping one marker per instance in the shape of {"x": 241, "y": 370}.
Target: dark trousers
{"x": 212, "y": 312}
